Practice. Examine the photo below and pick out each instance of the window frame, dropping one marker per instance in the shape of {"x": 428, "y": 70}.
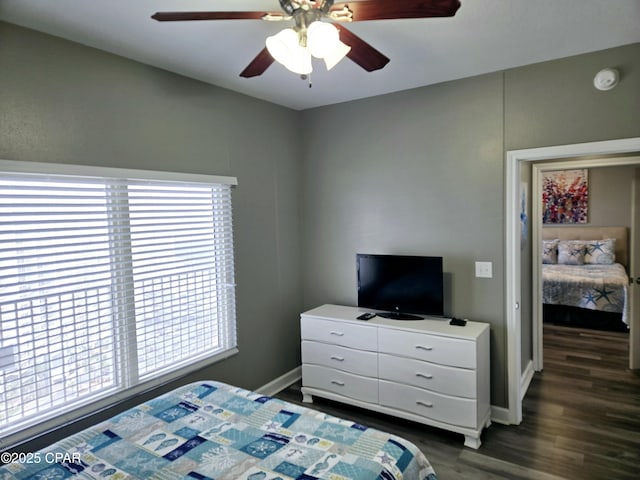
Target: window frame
{"x": 80, "y": 409}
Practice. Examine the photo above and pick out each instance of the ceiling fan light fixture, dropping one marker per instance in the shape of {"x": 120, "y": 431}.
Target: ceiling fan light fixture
{"x": 280, "y": 44}
{"x": 322, "y": 39}
{"x": 285, "y": 48}
{"x": 321, "y": 18}
{"x": 337, "y": 54}
{"x": 301, "y": 63}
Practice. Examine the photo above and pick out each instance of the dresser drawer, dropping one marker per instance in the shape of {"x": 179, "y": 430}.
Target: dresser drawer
{"x": 361, "y": 337}
{"x": 454, "y": 352}
{"x": 357, "y": 362}
{"x": 454, "y": 381}
{"x": 443, "y": 408}
{"x": 342, "y": 383}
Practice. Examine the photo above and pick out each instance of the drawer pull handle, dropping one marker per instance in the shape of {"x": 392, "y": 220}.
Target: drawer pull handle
{"x": 425, "y": 404}
{"x": 422, "y": 347}
{"x": 337, "y": 382}
{"x": 428, "y": 376}
{"x": 337, "y": 358}
{"x": 337, "y": 334}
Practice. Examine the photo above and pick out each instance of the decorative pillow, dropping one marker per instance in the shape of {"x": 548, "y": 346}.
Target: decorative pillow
{"x": 550, "y": 251}
{"x": 571, "y": 252}
{"x": 601, "y": 252}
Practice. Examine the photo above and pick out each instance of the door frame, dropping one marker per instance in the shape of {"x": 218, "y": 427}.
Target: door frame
{"x": 513, "y": 162}
{"x": 634, "y": 270}
{"x": 537, "y": 170}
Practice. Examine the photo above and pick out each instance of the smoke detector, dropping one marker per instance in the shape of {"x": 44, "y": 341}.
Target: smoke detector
{"x": 606, "y": 79}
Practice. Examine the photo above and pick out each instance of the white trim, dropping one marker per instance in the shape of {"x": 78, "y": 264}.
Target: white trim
{"x": 607, "y": 147}
{"x": 500, "y": 415}
{"x": 513, "y": 288}
{"x": 512, "y": 227}
{"x": 634, "y": 305}
{"x": 536, "y": 280}
{"x": 277, "y": 385}
{"x": 111, "y": 172}
{"x": 525, "y": 381}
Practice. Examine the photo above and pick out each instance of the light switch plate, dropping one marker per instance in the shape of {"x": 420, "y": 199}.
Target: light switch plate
{"x": 484, "y": 269}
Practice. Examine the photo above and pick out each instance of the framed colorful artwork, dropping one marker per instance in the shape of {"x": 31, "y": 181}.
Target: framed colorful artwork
{"x": 565, "y": 196}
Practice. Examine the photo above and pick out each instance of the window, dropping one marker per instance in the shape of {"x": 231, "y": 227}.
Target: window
{"x": 111, "y": 281}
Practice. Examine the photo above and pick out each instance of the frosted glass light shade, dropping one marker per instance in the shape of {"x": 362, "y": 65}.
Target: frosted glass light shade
{"x": 338, "y": 53}
{"x": 322, "y": 38}
{"x": 285, "y": 48}
{"x": 301, "y": 63}
{"x": 281, "y": 44}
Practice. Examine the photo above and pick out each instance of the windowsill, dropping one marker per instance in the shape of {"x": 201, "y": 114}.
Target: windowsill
{"x": 21, "y": 437}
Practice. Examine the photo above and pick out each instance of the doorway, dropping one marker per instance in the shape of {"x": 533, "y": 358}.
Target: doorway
{"x": 513, "y": 284}
{"x": 536, "y": 261}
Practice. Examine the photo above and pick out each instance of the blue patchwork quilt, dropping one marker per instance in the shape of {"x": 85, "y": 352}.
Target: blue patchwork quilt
{"x": 213, "y": 431}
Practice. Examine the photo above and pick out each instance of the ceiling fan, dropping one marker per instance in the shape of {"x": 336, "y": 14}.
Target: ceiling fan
{"x": 311, "y": 36}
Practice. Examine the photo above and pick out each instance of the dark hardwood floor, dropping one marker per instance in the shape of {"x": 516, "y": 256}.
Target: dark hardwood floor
{"x": 581, "y": 418}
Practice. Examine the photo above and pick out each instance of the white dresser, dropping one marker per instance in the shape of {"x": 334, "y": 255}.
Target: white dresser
{"x": 423, "y": 370}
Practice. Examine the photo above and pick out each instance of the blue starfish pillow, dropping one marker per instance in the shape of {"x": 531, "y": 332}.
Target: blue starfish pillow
{"x": 571, "y": 252}
{"x": 550, "y": 251}
{"x": 600, "y": 252}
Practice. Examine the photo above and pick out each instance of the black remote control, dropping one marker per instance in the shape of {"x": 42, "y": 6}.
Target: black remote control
{"x": 459, "y": 322}
{"x": 366, "y": 316}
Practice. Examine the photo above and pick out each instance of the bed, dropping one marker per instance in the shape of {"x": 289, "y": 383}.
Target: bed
{"x": 211, "y": 430}
{"x": 584, "y": 277}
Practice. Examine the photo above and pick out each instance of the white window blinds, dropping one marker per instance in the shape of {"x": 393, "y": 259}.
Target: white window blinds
{"x": 107, "y": 283}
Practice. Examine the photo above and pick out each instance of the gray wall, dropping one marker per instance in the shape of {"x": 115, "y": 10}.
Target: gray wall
{"x": 416, "y": 172}
{"x": 555, "y": 103}
{"x": 66, "y": 103}
{"x": 610, "y": 196}
{"x": 421, "y": 171}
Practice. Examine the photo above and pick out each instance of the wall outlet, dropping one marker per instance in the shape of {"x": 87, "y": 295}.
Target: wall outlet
{"x": 484, "y": 269}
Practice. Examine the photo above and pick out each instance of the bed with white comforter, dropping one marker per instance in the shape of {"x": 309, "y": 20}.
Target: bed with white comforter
{"x": 594, "y": 287}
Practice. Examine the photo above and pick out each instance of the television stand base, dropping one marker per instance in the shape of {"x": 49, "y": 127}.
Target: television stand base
{"x": 399, "y": 316}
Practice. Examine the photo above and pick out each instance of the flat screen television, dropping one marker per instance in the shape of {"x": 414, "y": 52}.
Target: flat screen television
{"x": 400, "y": 285}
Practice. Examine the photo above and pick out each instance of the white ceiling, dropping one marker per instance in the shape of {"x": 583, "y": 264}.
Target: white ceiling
{"x": 484, "y": 36}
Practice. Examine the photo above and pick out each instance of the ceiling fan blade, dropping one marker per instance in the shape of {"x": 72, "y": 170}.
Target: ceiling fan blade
{"x": 361, "y": 52}
{"x": 387, "y": 10}
{"x": 182, "y": 16}
{"x": 258, "y": 65}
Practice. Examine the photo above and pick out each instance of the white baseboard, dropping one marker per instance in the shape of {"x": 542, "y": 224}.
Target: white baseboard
{"x": 500, "y": 415}
{"x": 280, "y": 383}
{"x": 526, "y": 378}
